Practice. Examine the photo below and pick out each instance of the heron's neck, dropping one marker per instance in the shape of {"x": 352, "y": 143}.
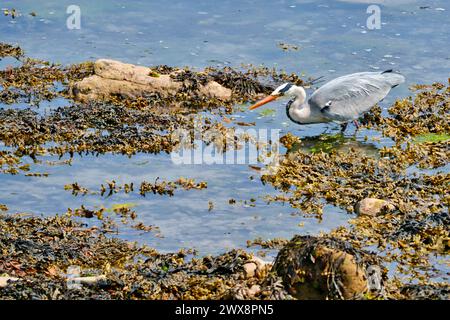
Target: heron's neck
{"x": 300, "y": 112}
{"x": 295, "y": 111}
{"x": 294, "y": 106}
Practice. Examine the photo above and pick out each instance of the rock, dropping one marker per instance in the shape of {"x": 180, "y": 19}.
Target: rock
{"x": 5, "y": 279}
{"x": 138, "y": 75}
{"x": 320, "y": 268}
{"x": 254, "y": 267}
{"x": 254, "y": 290}
{"x": 114, "y": 78}
{"x": 98, "y": 88}
{"x": 260, "y": 263}
{"x": 372, "y": 207}
{"x": 242, "y": 292}
{"x": 90, "y": 281}
{"x": 249, "y": 269}
{"x": 214, "y": 90}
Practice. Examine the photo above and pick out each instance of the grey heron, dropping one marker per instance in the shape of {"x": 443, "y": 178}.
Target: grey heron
{"x": 341, "y": 100}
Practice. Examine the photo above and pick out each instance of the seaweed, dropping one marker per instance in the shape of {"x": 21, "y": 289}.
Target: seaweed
{"x": 7, "y": 50}
{"x": 40, "y": 252}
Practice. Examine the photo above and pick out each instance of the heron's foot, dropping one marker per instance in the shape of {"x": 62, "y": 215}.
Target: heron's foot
{"x": 343, "y": 127}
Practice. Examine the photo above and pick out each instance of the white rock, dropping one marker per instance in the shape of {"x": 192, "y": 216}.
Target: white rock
{"x": 5, "y": 279}
{"x": 250, "y": 269}
{"x": 92, "y": 280}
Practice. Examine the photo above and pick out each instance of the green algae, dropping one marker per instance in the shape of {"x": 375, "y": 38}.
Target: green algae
{"x": 431, "y": 137}
{"x": 267, "y": 112}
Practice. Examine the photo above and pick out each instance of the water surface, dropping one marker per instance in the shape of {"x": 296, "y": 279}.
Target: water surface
{"x": 333, "y": 40}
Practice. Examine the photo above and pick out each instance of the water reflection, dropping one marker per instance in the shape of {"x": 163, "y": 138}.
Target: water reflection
{"x": 334, "y": 142}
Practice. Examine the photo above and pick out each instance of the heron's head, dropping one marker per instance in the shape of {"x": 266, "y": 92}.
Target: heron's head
{"x": 285, "y": 90}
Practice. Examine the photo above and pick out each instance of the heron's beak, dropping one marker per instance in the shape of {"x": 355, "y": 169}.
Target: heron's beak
{"x": 263, "y": 101}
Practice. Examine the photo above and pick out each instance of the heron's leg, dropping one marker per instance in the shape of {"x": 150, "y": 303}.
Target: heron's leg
{"x": 356, "y": 123}
{"x": 343, "y": 127}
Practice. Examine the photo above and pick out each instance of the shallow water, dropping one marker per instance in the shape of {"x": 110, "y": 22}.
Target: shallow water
{"x": 333, "y": 40}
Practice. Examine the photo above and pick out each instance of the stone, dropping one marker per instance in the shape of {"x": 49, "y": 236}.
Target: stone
{"x": 314, "y": 268}
{"x": 260, "y": 263}
{"x": 372, "y": 207}
{"x": 213, "y": 90}
{"x": 249, "y": 269}
{"x": 242, "y": 292}
{"x": 255, "y": 267}
{"x": 254, "y": 290}
{"x": 89, "y": 281}
{"x": 115, "y": 78}
{"x": 4, "y": 280}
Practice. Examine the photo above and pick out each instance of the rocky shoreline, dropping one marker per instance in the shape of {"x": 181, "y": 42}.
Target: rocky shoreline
{"x": 401, "y": 221}
{"x": 57, "y": 258}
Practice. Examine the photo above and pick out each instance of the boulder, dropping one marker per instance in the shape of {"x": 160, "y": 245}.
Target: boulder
{"x": 114, "y": 78}
{"x": 315, "y": 268}
{"x": 372, "y": 207}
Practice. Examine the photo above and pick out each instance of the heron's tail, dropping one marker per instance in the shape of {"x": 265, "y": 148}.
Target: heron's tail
{"x": 394, "y": 79}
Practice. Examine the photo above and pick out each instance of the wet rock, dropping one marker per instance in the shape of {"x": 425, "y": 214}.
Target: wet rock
{"x": 322, "y": 268}
{"x": 5, "y": 280}
{"x": 114, "y": 78}
{"x": 373, "y": 207}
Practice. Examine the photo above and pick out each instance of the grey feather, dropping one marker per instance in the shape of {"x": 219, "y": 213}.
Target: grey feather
{"x": 348, "y": 97}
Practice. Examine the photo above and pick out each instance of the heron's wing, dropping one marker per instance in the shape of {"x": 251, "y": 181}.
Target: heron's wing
{"x": 347, "y": 98}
